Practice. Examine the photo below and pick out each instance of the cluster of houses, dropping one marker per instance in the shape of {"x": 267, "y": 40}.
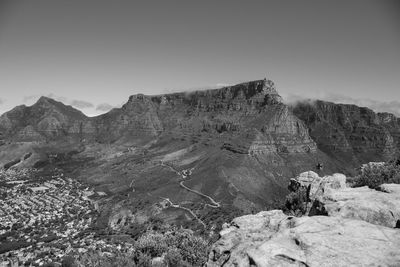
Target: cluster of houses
{"x": 41, "y": 221}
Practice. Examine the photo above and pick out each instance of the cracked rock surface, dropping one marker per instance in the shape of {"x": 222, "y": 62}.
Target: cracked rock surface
{"x": 271, "y": 238}
{"x": 362, "y": 229}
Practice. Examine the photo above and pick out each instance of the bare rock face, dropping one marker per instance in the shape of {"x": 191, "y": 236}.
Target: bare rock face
{"x": 362, "y": 228}
{"x": 251, "y": 115}
{"x": 363, "y": 203}
{"x": 274, "y": 239}
{"x": 245, "y": 139}
{"x": 138, "y": 117}
{"x": 391, "y": 188}
{"x": 357, "y": 133}
{"x": 318, "y": 186}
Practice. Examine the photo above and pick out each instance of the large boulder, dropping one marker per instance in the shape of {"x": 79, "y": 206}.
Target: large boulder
{"x": 330, "y": 196}
{"x": 391, "y": 188}
{"x": 274, "y": 239}
{"x": 318, "y": 185}
{"x": 363, "y": 203}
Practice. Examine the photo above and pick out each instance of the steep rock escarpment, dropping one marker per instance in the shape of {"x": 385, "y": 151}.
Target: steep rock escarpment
{"x": 242, "y": 141}
{"x": 356, "y": 134}
{"x": 137, "y": 118}
{"x": 240, "y": 136}
{"x": 251, "y": 115}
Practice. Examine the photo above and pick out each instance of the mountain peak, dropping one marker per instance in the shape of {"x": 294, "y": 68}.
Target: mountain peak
{"x": 47, "y": 102}
{"x": 44, "y": 99}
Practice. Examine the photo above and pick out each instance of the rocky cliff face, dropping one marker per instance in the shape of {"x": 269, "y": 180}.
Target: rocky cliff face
{"x": 361, "y": 229}
{"x": 252, "y": 112}
{"x": 241, "y": 138}
{"x": 242, "y": 141}
{"x": 349, "y": 131}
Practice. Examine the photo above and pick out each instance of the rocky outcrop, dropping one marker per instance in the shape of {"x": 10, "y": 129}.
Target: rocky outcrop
{"x": 363, "y": 203}
{"x": 360, "y": 227}
{"x": 331, "y": 195}
{"x": 271, "y": 238}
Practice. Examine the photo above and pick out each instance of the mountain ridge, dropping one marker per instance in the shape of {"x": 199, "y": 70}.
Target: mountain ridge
{"x": 242, "y": 142}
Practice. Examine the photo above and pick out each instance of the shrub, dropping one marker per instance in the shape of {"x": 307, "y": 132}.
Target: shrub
{"x": 373, "y": 175}
{"x": 179, "y": 247}
{"x": 173, "y": 257}
{"x": 153, "y": 244}
{"x": 193, "y": 250}
{"x": 96, "y": 259}
{"x": 68, "y": 261}
{"x": 296, "y": 202}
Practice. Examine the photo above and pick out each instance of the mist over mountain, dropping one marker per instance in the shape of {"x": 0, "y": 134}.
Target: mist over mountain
{"x": 192, "y": 159}
{"x": 243, "y": 142}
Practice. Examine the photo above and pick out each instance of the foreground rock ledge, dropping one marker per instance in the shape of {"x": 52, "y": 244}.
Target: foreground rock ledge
{"x": 271, "y": 238}
{"x": 381, "y": 207}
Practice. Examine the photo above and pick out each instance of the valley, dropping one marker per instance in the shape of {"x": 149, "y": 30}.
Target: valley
{"x": 186, "y": 160}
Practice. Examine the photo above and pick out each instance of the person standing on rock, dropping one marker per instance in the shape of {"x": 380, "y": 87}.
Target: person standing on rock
{"x": 319, "y": 166}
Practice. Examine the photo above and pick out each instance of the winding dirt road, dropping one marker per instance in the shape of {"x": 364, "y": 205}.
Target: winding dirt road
{"x": 186, "y": 209}
{"x": 186, "y": 173}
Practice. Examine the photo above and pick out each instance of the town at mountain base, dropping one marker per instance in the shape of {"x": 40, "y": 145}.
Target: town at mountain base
{"x": 362, "y": 228}
{"x": 198, "y": 159}
{"x": 243, "y": 141}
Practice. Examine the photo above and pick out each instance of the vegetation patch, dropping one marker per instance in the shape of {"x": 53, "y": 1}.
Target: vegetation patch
{"x": 374, "y": 175}
{"x": 175, "y": 247}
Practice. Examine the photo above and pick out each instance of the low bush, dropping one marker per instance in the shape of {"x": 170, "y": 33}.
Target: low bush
{"x": 296, "y": 202}
{"x": 178, "y": 247}
{"x": 97, "y": 259}
{"x": 373, "y": 175}
{"x": 193, "y": 250}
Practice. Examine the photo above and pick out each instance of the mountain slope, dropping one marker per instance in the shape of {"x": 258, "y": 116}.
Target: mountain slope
{"x": 355, "y": 134}
{"x": 47, "y": 119}
{"x": 241, "y": 144}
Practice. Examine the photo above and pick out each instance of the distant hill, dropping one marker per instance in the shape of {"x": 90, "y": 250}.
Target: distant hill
{"x": 46, "y": 119}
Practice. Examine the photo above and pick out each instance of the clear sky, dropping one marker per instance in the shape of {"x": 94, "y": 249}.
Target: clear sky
{"x": 94, "y": 54}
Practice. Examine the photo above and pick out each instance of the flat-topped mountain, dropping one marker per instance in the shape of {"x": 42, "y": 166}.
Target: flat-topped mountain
{"x": 237, "y": 146}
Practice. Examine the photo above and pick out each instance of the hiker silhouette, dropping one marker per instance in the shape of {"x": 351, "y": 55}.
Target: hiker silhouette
{"x": 319, "y": 166}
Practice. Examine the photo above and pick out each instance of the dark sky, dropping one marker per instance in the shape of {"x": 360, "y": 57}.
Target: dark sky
{"x": 94, "y": 54}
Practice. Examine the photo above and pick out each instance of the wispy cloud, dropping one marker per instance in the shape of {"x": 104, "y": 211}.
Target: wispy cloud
{"x": 377, "y": 106}
{"x": 81, "y": 104}
{"x": 58, "y": 98}
{"x": 197, "y": 88}
{"x": 104, "y": 107}
{"x": 29, "y": 98}
{"x": 1, "y": 101}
